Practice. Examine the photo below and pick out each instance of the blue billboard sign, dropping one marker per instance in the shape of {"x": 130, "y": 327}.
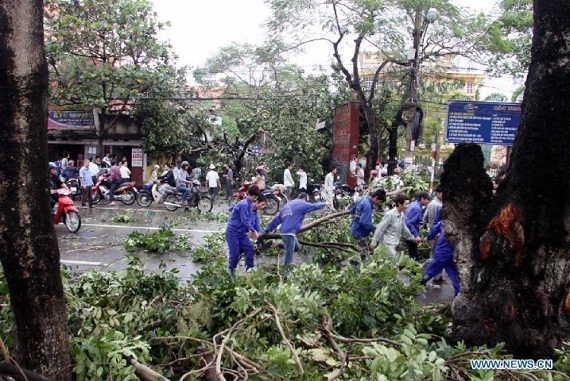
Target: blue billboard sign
{"x": 482, "y": 122}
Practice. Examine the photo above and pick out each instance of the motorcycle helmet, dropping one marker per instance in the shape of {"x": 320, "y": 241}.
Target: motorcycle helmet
{"x": 184, "y": 163}
{"x": 52, "y": 165}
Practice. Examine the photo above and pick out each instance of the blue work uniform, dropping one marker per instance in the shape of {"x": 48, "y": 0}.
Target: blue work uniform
{"x": 242, "y": 220}
{"x": 442, "y": 258}
{"x": 291, "y": 218}
{"x": 361, "y": 225}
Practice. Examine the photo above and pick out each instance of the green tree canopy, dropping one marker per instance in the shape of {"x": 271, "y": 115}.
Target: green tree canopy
{"x": 390, "y": 28}
{"x": 271, "y": 103}
{"x": 105, "y": 54}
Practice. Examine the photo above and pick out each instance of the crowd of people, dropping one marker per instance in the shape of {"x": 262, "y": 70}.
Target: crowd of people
{"x": 403, "y": 220}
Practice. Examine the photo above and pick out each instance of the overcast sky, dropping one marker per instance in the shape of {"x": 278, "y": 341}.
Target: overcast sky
{"x": 199, "y": 28}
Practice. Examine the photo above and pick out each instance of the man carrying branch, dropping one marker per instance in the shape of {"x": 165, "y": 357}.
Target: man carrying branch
{"x": 393, "y": 226}
{"x": 362, "y": 225}
{"x": 291, "y": 218}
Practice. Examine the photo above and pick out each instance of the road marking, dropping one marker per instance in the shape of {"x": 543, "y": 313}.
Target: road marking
{"x": 71, "y": 262}
{"x": 152, "y": 228}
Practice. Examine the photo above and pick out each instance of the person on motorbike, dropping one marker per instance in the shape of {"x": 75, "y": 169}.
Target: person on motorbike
{"x": 55, "y": 183}
{"x": 71, "y": 171}
{"x": 114, "y": 178}
{"x": 182, "y": 179}
{"x": 169, "y": 181}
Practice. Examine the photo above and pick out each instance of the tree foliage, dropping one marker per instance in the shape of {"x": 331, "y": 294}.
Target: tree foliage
{"x": 104, "y": 55}
{"x": 387, "y": 27}
{"x": 511, "y": 33}
{"x": 269, "y": 103}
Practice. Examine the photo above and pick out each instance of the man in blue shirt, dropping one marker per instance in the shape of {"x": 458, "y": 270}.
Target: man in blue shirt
{"x": 413, "y": 220}
{"x": 291, "y": 218}
{"x": 86, "y": 183}
{"x": 442, "y": 257}
{"x": 362, "y": 225}
{"x": 242, "y": 225}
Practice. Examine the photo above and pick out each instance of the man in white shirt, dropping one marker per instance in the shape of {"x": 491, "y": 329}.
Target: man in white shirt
{"x": 302, "y": 180}
{"x": 393, "y": 227}
{"x": 94, "y": 169}
{"x": 288, "y": 179}
{"x": 359, "y": 177}
{"x": 213, "y": 182}
{"x": 125, "y": 171}
{"x": 328, "y": 188}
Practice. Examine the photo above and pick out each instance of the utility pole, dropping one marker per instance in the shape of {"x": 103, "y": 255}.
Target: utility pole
{"x": 410, "y": 108}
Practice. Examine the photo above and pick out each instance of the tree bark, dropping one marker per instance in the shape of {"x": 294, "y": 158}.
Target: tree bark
{"x": 28, "y": 245}
{"x": 513, "y": 252}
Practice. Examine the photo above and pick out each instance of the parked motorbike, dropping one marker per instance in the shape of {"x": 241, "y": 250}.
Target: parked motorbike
{"x": 343, "y": 195}
{"x": 273, "y": 201}
{"x": 74, "y": 188}
{"x": 126, "y": 192}
{"x": 149, "y": 194}
{"x": 173, "y": 199}
{"x": 278, "y": 191}
{"x": 66, "y": 211}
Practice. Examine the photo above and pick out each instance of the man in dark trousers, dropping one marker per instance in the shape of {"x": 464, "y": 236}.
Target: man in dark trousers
{"x": 442, "y": 257}
{"x": 413, "y": 220}
{"x": 362, "y": 225}
{"x": 241, "y": 226}
{"x": 291, "y": 218}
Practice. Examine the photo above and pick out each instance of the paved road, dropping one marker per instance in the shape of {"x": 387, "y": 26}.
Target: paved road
{"x": 99, "y": 242}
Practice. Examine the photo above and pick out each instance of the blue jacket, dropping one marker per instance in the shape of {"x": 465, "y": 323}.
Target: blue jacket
{"x": 442, "y": 246}
{"x": 414, "y": 217}
{"x": 291, "y": 216}
{"x": 361, "y": 225}
{"x": 241, "y": 218}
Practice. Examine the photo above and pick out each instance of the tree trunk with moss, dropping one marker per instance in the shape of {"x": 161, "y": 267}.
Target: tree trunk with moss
{"x": 28, "y": 245}
{"x": 513, "y": 250}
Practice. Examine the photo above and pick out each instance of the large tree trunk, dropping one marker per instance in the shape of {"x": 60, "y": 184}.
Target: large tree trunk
{"x": 513, "y": 252}
{"x": 372, "y": 154}
{"x": 28, "y": 246}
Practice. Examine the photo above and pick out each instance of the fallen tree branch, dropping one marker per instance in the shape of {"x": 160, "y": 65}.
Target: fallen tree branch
{"x": 18, "y": 373}
{"x": 328, "y": 330}
{"x": 327, "y": 325}
{"x": 322, "y": 220}
{"x": 330, "y": 245}
{"x": 144, "y": 373}
{"x": 284, "y": 336}
{"x": 209, "y": 367}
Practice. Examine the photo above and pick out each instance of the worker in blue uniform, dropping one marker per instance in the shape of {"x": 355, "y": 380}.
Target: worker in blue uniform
{"x": 241, "y": 227}
{"x": 291, "y": 218}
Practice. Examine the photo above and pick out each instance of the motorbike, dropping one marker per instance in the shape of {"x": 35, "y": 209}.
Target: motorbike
{"x": 74, "y": 187}
{"x": 343, "y": 195}
{"x": 66, "y": 211}
{"x": 278, "y": 191}
{"x": 316, "y": 192}
{"x": 273, "y": 201}
{"x": 173, "y": 199}
{"x": 126, "y": 192}
{"x": 149, "y": 194}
